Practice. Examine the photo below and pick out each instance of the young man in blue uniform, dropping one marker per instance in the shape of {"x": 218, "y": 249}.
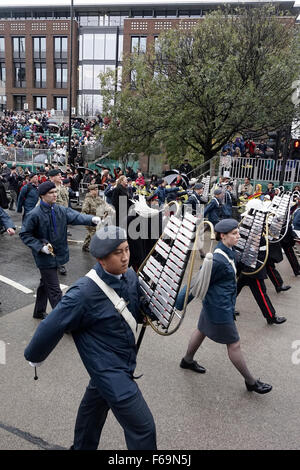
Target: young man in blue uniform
{"x": 106, "y": 344}
{"x": 47, "y": 224}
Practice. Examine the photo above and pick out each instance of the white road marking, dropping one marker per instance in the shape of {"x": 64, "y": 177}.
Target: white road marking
{"x": 16, "y": 285}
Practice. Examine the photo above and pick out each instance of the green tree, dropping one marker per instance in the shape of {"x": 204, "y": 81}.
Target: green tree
{"x": 230, "y": 74}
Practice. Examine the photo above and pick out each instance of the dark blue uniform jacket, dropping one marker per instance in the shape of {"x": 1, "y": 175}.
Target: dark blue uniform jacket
{"x": 213, "y": 211}
{"x": 38, "y": 227}
{"x": 28, "y": 198}
{"x": 103, "y": 338}
{"x": 220, "y": 298}
{"x": 6, "y": 220}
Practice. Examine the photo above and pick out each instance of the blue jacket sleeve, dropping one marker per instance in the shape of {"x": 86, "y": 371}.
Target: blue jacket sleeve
{"x": 66, "y": 316}
{"x": 76, "y": 218}
{"x": 6, "y": 220}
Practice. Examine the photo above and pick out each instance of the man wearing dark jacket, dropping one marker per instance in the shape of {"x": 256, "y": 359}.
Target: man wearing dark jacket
{"x": 104, "y": 333}
{"x": 28, "y": 196}
{"x": 45, "y": 232}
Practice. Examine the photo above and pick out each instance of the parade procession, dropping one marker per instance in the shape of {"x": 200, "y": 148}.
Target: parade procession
{"x": 149, "y": 229}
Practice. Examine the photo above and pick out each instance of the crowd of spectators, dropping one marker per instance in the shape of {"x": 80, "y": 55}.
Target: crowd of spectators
{"x": 247, "y": 148}
{"x": 38, "y": 130}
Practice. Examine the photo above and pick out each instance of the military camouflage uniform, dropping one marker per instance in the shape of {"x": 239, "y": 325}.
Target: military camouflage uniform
{"x": 62, "y": 196}
{"x": 94, "y": 206}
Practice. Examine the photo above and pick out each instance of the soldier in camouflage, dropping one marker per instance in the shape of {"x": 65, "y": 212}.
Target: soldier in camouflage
{"x": 94, "y": 205}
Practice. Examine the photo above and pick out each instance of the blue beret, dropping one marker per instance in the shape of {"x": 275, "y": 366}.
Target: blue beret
{"x": 198, "y": 186}
{"x": 45, "y": 187}
{"x": 106, "y": 240}
{"x": 226, "y": 225}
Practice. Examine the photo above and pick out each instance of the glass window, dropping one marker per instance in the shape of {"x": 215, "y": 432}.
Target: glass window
{"x": 99, "y": 46}
{"x": 120, "y": 47}
{"x": 2, "y": 47}
{"x": 40, "y": 75}
{"x": 60, "y": 47}
{"x": 97, "y": 70}
{"x": 115, "y": 18}
{"x": 61, "y": 75}
{"x": 80, "y": 47}
{"x": 110, "y": 46}
{"x": 83, "y": 20}
{"x": 40, "y": 103}
{"x": 87, "y": 77}
{"x": 39, "y": 48}
{"x": 61, "y": 103}
{"x": 19, "y": 101}
{"x": 2, "y": 74}
{"x": 20, "y": 75}
{"x": 88, "y": 49}
{"x": 147, "y": 14}
{"x": 80, "y": 77}
{"x": 138, "y": 44}
{"x": 184, "y": 13}
{"x": 19, "y": 47}
{"x": 92, "y": 20}
{"x": 2, "y": 102}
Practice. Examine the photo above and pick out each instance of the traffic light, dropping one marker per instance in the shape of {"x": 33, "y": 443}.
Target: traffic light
{"x": 296, "y": 149}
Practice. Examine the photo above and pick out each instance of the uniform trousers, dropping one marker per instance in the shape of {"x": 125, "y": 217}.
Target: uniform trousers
{"x": 132, "y": 413}
{"x": 292, "y": 259}
{"x": 259, "y": 292}
{"x": 48, "y": 289}
{"x": 273, "y": 274}
{"x": 87, "y": 240}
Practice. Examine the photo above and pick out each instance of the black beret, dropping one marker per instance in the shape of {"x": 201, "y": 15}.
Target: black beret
{"x": 226, "y": 225}
{"x": 46, "y": 187}
{"x": 54, "y": 172}
{"x": 66, "y": 181}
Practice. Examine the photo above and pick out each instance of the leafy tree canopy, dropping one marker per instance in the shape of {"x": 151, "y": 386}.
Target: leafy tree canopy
{"x": 199, "y": 88}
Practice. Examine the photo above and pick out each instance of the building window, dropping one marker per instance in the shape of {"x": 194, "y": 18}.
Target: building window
{"x": 2, "y": 102}
{"x": 19, "y": 101}
{"x": 138, "y": 44}
{"x": 2, "y": 47}
{"x": 20, "y": 75}
{"x": 40, "y": 75}
{"x": 97, "y": 46}
{"x": 61, "y": 47}
{"x": 40, "y": 103}
{"x": 61, "y": 103}
{"x": 39, "y": 48}
{"x": 19, "y": 47}
{"x": 2, "y": 74}
{"x": 61, "y": 75}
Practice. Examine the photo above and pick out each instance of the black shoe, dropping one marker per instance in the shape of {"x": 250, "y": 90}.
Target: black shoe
{"x": 282, "y": 288}
{"x": 297, "y": 273}
{"x": 40, "y": 316}
{"x": 11, "y": 209}
{"x": 259, "y": 387}
{"x": 276, "y": 320}
{"x": 85, "y": 248}
{"x": 69, "y": 234}
{"x": 192, "y": 366}
{"x": 62, "y": 270}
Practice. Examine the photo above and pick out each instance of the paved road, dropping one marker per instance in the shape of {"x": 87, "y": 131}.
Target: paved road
{"x": 210, "y": 411}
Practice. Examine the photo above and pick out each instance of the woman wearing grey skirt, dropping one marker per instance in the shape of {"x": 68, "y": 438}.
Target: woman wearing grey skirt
{"x": 217, "y": 316}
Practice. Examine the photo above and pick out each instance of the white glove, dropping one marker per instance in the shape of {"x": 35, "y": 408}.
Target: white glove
{"x": 46, "y": 250}
{"x": 35, "y": 364}
{"x": 96, "y": 220}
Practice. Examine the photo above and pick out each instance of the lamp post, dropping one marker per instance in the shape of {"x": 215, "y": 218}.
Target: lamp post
{"x": 70, "y": 73}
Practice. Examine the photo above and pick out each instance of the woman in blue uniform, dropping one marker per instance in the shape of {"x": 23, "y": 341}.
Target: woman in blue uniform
{"x": 217, "y": 316}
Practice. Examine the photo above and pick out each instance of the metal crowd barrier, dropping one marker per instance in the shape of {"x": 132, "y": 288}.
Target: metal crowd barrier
{"x": 260, "y": 169}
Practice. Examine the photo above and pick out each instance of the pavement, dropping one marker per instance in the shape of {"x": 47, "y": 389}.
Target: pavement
{"x": 192, "y": 411}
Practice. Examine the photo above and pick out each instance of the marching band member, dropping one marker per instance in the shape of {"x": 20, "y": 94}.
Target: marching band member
{"x": 217, "y": 316}
{"x": 104, "y": 337}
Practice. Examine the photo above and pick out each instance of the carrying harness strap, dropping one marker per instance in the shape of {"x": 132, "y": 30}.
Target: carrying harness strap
{"x": 221, "y": 252}
{"x": 118, "y": 302}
